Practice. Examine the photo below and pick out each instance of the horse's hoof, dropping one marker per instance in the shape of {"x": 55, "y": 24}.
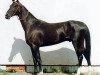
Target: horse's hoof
{"x": 40, "y": 73}
{"x": 78, "y": 71}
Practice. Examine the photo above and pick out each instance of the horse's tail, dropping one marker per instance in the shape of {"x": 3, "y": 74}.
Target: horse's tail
{"x": 87, "y": 52}
{"x": 88, "y": 40}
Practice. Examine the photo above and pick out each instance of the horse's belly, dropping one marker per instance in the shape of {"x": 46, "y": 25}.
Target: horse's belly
{"x": 50, "y": 42}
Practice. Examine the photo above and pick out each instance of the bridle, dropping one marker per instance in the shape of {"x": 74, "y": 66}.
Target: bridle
{"x": 19, "y": 9}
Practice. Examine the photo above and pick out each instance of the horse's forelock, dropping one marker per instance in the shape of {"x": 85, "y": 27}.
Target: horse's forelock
{"x": 15, "y": 0}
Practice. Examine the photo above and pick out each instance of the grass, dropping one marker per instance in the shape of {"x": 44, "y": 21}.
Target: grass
{"x": 71, "y": 73}
{"x": 4, "y": 72}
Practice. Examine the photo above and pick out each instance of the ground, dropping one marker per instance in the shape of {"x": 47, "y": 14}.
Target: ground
{"x": 33, "y": 74}
{"x": 24, "y": 73}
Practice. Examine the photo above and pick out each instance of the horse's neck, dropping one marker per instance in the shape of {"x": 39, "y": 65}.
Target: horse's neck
{"x": 26, "y": 19}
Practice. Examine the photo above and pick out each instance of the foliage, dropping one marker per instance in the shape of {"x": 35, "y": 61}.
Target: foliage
{"x": 4, "y": 72}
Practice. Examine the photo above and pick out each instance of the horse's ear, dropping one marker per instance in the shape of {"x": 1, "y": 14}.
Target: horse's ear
{"x": 13, "y": 0}
{"x": 17, "y": 1}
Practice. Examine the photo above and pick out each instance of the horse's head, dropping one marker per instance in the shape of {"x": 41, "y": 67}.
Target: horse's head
{"x": 13, "y": 10}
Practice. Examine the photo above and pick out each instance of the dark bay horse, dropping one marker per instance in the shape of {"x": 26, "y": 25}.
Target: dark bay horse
{"x": 39, "y": 33}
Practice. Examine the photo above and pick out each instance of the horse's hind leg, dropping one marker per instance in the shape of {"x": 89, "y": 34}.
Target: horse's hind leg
{"x": 79, "y": 48}
{"x": 87, "y": 56}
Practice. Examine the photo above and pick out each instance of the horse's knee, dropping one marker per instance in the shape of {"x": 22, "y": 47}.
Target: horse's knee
{"x": 38, "y": 59}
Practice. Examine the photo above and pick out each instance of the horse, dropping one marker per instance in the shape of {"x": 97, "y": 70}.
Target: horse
{"x": 39, "y": 33}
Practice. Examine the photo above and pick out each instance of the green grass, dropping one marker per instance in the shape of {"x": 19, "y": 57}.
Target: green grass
{"x": 71, "y": 73}
{"x": 4, "y": 72}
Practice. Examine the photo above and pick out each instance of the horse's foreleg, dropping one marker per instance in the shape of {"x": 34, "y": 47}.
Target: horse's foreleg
{"x": 36, "y": 55}
{"x": 33, "y": 55}
{"x": 39, "y": 60}
{"x": 34, "y": 59}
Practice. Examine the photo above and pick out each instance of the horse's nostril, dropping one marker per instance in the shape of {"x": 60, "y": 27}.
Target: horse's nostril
{"x": 7, "y": 16}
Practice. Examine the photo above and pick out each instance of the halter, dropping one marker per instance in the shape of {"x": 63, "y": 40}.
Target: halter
{"x": 18, "y": 9}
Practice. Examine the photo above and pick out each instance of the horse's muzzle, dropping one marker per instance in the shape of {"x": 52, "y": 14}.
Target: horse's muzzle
{"x": 7, "y": 16}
